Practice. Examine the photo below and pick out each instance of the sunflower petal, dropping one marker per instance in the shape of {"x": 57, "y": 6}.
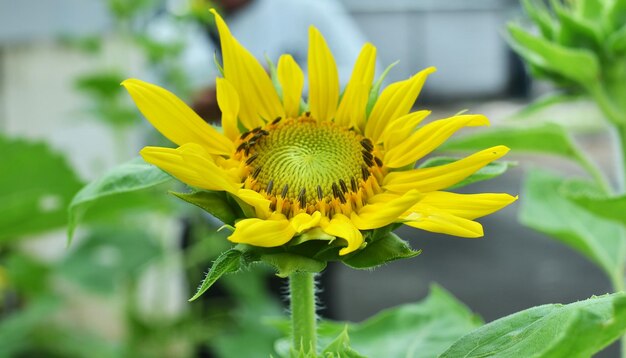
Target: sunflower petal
{"x": 291, "y": 80}
{"x": 439, "y": 221}
{"x": 428, "y": 138}
{"x": 467, "y": 206}
{"x": 250, "y": 80}
{"x": 381, "y": 213}
{"x": 351, "y": 111}
{"x": 174, "y": 119}
{"x": 305, "y": 221}
{"x": 401, "y": 128}
{"x": 323, "y": 78}
{"x": 395, "y": 101}
{"x": 341, "y": 226}
{"x": 272, "y": 232}
{"x": 192, "y": 165}
{"x": 260, "y": 203}
{"x": 443, "y": 176}
{"x": 228, "y": 101}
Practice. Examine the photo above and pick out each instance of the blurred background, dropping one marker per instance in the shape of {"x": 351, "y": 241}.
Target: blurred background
{"x": 121, "y": 288}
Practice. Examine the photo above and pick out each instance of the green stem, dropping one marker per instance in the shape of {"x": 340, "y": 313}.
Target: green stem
{"x": 303, "y": 319}
{"x": 621, "y": 134}
{"x": 593, "y": 170}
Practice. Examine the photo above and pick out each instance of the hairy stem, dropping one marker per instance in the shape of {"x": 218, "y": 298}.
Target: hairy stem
{"x": 303, "y": 319}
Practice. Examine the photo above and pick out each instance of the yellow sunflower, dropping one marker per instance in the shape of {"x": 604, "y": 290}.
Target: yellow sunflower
{"x": 328, "y": 165}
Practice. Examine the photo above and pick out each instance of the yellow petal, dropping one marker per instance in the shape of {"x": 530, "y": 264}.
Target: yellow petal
{"x": 228, "y": 101}
{"x": 379, "y": 214}
{"x": 351, "y": 111}
{"x": 401, "y": 128}
{"x": 323, "y": 78}
{"x": 428, "y": 138}
{"x": 291, "y": 80}
{"x": 443, "y": 176}
{"x": 250, "y": 80}
{"x": 341, "y": 226}
{"x": 259, "y": 202}
{"x": 305, "y": 221}
{"x": 439, "y": 221}
{"x": 395, "y": 101}
{"x": 192, "y": 165}
{"x": 468, "y": 206}
{"x": 272, "y": 232}
{"x": 174, "y": 119}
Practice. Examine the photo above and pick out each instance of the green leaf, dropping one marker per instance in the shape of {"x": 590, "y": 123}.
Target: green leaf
{"x": 578, "y": 65}
{"x": 129, "y": 177}
{"x": 540, "y": 15}
{"x": 616, "y": 42}
{"x": 36, "y": 185}
{"x": 545, "y": 209}
{"x": 422, "y": 329}
{"x": 417, "y": 330}
{"x": 340, "y": 347}
{"x": 569, "y": 331}
{"x": 215, "y": 203}
{"x": 287, "y": 263}
{"x": 611, "y": 208}
{"x": 227, "y": 262}
{"x": 108, "y": 257}
{"x": 545, "y": 102}
{"x": 487, "y": 172}
{"x": 545, "y": 138}
{"x": 379, "y": 252}
{"x": 588, "y": 9}
{"x": 576, "y": 31}
{"x": 616, "y": 14}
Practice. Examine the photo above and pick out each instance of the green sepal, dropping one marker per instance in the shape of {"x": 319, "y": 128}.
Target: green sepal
{"x": 132, "y": 176}
{"x": 575, "y": 330}
{"x": 218, "y": 65}
{"x": 287, "y": 263}
{"x": 375, "y": 91}
{"x": 213, "y": 202}
{"x": 228, "y": 262}
{"x": 379, "y": 252}
{"x": 340, "y": 347}
{"x": 489, "y": 171}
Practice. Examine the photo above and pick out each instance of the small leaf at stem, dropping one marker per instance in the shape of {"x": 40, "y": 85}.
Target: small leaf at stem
{"x": 229, "y": 261}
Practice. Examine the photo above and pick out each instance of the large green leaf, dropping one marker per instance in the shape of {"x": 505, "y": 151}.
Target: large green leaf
{"x": 545, "y": 209}
{"x": 545, "y": 138}
{"x": 36, "y": 185}
{"x": 415, "y": 330}
{"x": 109, "y": 257}
{"x": 130, "y": 177}
{"x": 578, "y": 65}
{"x": 577, "y": 330}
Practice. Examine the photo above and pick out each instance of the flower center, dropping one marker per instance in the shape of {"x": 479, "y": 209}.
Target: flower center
{"x": 303, "y": 165}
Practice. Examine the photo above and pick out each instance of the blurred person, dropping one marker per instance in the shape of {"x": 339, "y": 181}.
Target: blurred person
{"x": 267, "y": 28}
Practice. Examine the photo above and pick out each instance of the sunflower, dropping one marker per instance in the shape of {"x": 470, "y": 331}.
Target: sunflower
{"x": 337, "y": 164}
